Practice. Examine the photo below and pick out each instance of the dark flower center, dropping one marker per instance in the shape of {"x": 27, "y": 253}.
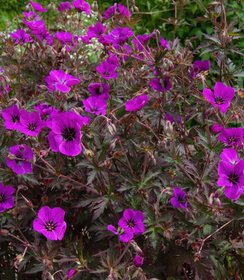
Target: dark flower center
{"x": 99, "y": 90}
{"x": 234, "y": 178}
{"x": 231, "y": 140}
{"x": 219, "y": 100}
{"x": 15, "y": 118}
{"x": 69, "y": 133}
{"x": 19, "y": 158}
{"x": 32, "y": 126}
{"x": 131, "y": 223}
{"x": 181, "y": 198}
{"x": 50, "y": 226}
{"x": 2, "y": 198}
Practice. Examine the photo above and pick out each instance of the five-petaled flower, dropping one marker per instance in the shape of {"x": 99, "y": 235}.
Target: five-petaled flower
{"x": 233, "y": 136}
{"x": 179, "y": 199}
{"x": 21, "y": 37}
{"x": 30, "y": 123}
{"x": 131, "y": 223}
{"x": 82, "y": 6}
{"x": 50, "y": 222}
{"x": 221, "y": 97}
{"x": 65, "y": 136}
{"x": 231, "y": 177}
{"x": 60, "y": 81}
{"x": 95, "y": 105}
{"x": 6, "y": 197}
{"x": 136, "y": 103}
{"x": 11, "y": 117}
{"x": 19, "y": 159}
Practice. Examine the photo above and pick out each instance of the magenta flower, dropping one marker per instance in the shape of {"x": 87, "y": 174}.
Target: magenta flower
{"x": 46, "y": 112}
{"x": 38, "y": 7}
{"x": 132, "y": 221}
{"x": 99, "y": 90}
{"x": 164, "y": 43}
{"x": 108, "y": 68}
{"x": 136, "y": 103}
{"x": 82, "y": 6}
{"x": 30, "y": 123}
{"x": 65, "y": 6}
{"x": 199, "y": 66}
{"x": 118, "y": 35}
{"x": 138, "y": 261}
{"x": 11, "y": 116}
{"x": 96, "y": 31}
{"x": 140, "y": 41}
{"x": 116, "y": 9}
{"x": 65, "y": 136}
{"x": 65, "y": 38}
{"x": 50, "y": 222}
{"x": 232, "y": 136}
{"x": 60, "y": 81}
{"x": 6, "y": 197}
{"x": 71, "y": 272}
{"x": 161, "y": 85}
{"x": 221, "y": 97}
{"x": 19, "y": 159}
{"x": 229, "y": 156}
{"x": 21, "y": 37}
{"x": 179, "y": 200}
{"x": 216, "y": 128}
{"x": 173, "y": 118}
{"x": 95, "y": 105}
{"x": 30, "y": 16}
{"x": 231, "y": 177}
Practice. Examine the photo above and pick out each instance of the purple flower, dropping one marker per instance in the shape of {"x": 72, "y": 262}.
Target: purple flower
{"x": 38, "y": 7}
{"x": 119, "y": 35}
{"x": 95, "y": 105}
{"x": 65, "y": 136}
{"x": 179, "y": 200}
{"x": 107, "y": 69}
{"x": 60, "y": 81}
{"x": 199, "y": 66}
{"x": 136, "y": 103}
{"x": 21, "y": 37}
{"x": 229, "y": 156}
{"x": 99, "y": 90}
{"x": 116, "y": 9}
{"x": 29, "y": 16}
{"x": 19, "y": 159}
{"x": 232, "y": 136}
{"x": 64, "y": 37}
{"x": 82, "y": 6}
{"x": 38, "y": 28}
{"x": 96, "y": 31}
{"x": 231, "y": 177}
{"x": 132, "y": 221}
{"x": 140, "y": 40}
{"x": 50, "y": 222}
{"x": 164, "y": 43}
{"x": 138, "y": 261}
{"x": 216, "y": 128}
{"x": 30, "y": 123}
{"x": 11, "y": 116}
{"x": 161, "y": 85}
{"x": 46, "y": 112}
{"x": 63, "y": 6}
{"x": 221, "y": 97}
{"x": 173, "y": 118}
{"x": 6, "y": 197}
{"x": 71, "y": 272}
